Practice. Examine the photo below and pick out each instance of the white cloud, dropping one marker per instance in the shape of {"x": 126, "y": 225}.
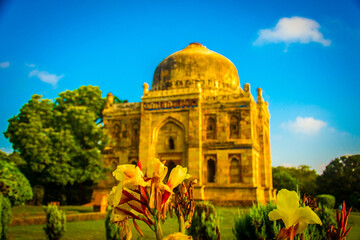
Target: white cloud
{"x": 46, "y": 77}
{"x": 306, "y": 125}
{"x": 30, "y": 65}
{"x": 292, "y": 30}
{"x": 4, "y": 64}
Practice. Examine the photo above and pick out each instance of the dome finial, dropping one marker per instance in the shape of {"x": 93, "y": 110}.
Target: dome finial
{"x": 195, "y": 45}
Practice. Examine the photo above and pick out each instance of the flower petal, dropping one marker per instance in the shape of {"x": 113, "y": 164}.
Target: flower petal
{"x": 287, "y": 201}
{"x": 306, "y": 216}
{"x": 136, "y": 178}
{"x": 288, "y": 219}
{"x": 177, "y": 176}
{"x": 275, "y": 215}
{"x": 120, "y": 171}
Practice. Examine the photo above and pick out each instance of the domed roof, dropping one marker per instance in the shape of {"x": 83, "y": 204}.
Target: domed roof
{"x": 196, "y": 64}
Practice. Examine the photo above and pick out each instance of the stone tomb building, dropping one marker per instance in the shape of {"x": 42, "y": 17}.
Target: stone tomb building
{"x": 197, "y": 115}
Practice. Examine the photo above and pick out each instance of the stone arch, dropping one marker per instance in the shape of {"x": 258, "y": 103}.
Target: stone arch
{"x": 163, "y": 122}
{"x": 169, "y": 141}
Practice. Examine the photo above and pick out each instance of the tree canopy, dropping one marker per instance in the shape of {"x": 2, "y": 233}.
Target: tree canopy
{"x": 303, "y": 176}
{"x": 341, "y": 178}
{"x": 60, "y": 141}
{"x": 13, "y": 184}
{"x": 283, "y": 179}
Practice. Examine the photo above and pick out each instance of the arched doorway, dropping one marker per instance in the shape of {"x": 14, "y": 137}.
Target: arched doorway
{"x": 170, "y": 146}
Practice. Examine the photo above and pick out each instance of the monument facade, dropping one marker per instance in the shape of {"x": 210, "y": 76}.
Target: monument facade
{"x": 197, "y": 115}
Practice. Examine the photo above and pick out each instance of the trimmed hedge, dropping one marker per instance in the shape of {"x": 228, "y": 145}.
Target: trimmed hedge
{"x": 326, "y": 200}
{"x": 55, "y": 222}
{"x": 37, "y": 220}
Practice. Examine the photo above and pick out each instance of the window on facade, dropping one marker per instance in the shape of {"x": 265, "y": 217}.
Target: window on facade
{"x": 171, "y": 143}
{"x": 235, "y": 171}
{"x": 234, "y": 127}
{"x": 211, "y": 129}
{"x": 211, "y": 171}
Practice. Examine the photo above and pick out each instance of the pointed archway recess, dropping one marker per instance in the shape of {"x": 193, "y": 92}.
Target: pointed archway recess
{"x": 170, "y": 142}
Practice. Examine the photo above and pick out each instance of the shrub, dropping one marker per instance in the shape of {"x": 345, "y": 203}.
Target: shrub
{"x": 326, "y": 200}
{"x": 5, "y": 216}
{"x": 316, "y": 231}
{"x": 112, "y": 231}
{"x": 13, "y": 184}
{"x": 205, "y": 224}
{"x": 55, "y": 222}
{"x": 244, "y": 229}
{"x": 256, "y": 224}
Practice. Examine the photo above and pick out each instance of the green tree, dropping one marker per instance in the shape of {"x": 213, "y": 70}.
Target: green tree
{"x": 60, "y": 141}
{"x": 303, "y": 174}
{"x": 283, "y": 179}
{"x": 13, "y": 184}
{"x": 341, "y": 179}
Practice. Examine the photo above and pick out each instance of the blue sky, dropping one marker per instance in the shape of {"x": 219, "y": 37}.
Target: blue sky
{"x": 303, "y": 54}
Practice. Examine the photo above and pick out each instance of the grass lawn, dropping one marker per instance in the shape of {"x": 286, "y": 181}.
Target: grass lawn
{"x": 88, "y": 230}
{"x": 27, "y": 210}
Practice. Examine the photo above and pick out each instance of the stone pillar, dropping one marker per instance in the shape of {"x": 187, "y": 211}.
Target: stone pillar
{"x": 194, "y": 143}
{"x": 145, "y": 139}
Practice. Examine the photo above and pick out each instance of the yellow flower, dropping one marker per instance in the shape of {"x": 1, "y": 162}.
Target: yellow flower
{"x": 177, "y": 176}
{"x": 156, "y": 169}
{"x": 289, "y": 210}
{"x": 129, "y": 176}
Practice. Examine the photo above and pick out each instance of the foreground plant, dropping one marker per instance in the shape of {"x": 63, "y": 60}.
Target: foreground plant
{"x": 184, "y": 205}
{"x": 143, "y": 196}
{"x": 55, "y": 226}
{"x": 340, "y": 232}
{"x": 205, "y": 224}
{"x": 295, "y": 218}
